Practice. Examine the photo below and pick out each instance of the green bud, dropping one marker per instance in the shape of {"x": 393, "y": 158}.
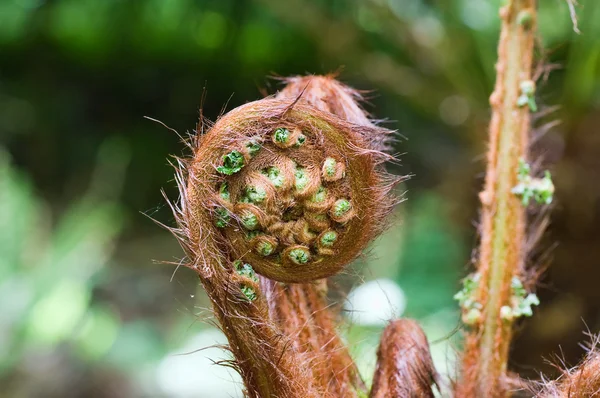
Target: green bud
{"x": 274, "y": 174}
{"x": 329, "y": 167}
{"x": 522, "y": 100}
{"x": 254, "y": 194}
{"x": 465, "y": 297}
{"x": 253, "y": 148}
{"x": 517, "y": 286}
{"x": 300, "y": 140}
{"x": 527, "y": 96}
{"x": 249, "y": 220}
{"x": 301, "y": 178}
{"x": 245, "y": 269}
{"x": 539, "y": 189}
{"x": 224, "y": 192}
{"x": 299, "y": 256}
{"x": 232, "y": 163}
{"x": 223, "y": 217}
{"x": 506, "y": 313}
{"x": 265, "y": 248}
{"x": 248, "y": 292}
{"x": 252, "y": 234}
{"x": 524, "y": 18}
{"x": 341, "y": 207}
{"x": 320, "y": 195}
{"x": 329, "y": 238}
{"x": 527, "y": 87}
{"x": 524, "y": 170}
{"x": 320, "y": 217}
{"x": 472, "y": 316}
{"x": 282, "y": 135}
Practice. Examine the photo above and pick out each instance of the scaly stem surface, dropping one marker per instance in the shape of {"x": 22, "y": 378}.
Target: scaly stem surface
{"x": 501, "y": 254}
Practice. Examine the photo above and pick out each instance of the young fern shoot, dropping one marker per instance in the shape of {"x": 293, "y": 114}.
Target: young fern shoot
{"x": 279, "y": 191}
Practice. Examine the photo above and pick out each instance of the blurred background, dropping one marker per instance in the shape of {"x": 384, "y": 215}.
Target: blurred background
{"x": 87, "y": 309}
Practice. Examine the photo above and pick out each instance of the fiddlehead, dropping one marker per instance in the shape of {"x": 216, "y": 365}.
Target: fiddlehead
{"x": 293, "y": 193}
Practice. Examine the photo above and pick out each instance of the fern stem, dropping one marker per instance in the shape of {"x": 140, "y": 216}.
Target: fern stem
{"x": 502, "y": 247}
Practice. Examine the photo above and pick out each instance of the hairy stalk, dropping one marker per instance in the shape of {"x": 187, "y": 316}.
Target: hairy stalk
{"x": 266, "y": 360}
{"x": 404, "y": 364}
{"x": 301, "y": 311}
{"x": 501, "y": 252}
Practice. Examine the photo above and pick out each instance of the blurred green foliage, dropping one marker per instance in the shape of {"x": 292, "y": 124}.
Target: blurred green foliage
{"x": 83, "y": 309}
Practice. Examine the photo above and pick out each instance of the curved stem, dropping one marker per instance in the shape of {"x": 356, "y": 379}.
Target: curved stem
{"x": 265, "y": 357}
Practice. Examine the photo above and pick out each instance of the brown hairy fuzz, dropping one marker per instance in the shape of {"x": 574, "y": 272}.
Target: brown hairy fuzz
{"x": 500, "y": 266}
{"x": 404, "y": 365}
{"x": 329, "y": 95}
{"x": 290, "y": 192}
{"x": 582, "y": 381}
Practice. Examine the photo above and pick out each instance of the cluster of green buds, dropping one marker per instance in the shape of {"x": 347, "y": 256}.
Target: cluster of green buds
{"x": 527, "y": 96}
{"x": 539, "y": 189}
{"x": 521, "y": 302}
{"x": 306, "y": 228}
{"x": 471, "y": 308}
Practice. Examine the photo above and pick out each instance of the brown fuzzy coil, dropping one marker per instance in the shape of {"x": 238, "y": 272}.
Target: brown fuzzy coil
{"x": 296, "y": 192}
{"x": 404, "y": 364}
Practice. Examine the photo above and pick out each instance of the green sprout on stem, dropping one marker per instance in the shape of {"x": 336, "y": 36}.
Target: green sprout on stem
{"x": 300, "y": 140}
{"x": 466, "y": 299}
{"x": 521, "y": 302}
{"x": 524, "y": 18}
{"x": 252, "y": 234}
{"x": 245, "y": 269}
{"x": 249, "y": 292}
{"x": 232, "y": 163}
{"x": 540, "y": 189}
{"x": 527, "y": 96}
{"x": 320, "y": 195}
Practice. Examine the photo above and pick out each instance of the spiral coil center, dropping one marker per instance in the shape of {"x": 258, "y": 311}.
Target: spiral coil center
{"x": 282, "y": 198}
